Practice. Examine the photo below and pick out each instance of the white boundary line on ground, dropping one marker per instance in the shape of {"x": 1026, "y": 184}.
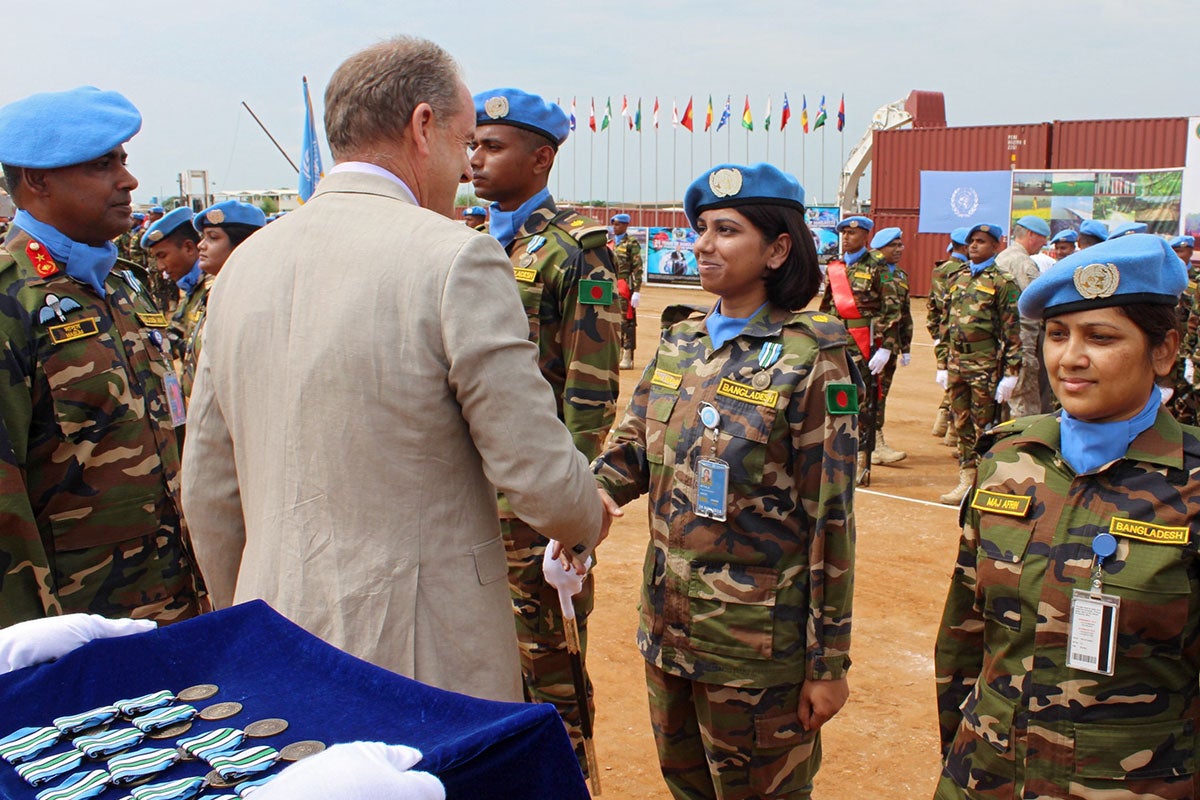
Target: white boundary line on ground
{"x": 906, "y": 499}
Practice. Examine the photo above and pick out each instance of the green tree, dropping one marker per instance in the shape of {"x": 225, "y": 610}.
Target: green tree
{"x": 269, "y": 205}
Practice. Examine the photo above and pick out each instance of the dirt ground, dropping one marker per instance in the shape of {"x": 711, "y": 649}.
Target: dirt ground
{"x": 884, "y": 742}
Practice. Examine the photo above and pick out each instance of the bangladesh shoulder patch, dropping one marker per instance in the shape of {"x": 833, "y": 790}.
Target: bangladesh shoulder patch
{"x": 841, "y": 398}
{"x": 596, "y": 293}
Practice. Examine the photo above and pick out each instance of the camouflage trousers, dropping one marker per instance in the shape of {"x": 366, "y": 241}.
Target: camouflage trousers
{"x": 628, "y": 329}
{"x": 973, "y": 407}
{"x": 884, "y": 379}
{"x": 723, "y": 743}
{"x": 545, "y": 662}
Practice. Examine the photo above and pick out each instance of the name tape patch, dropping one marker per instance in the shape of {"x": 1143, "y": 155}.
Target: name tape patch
{"x": 667, "y": 380}
{"x": 1147, "y": 531}
{"x": 157, "y": 320}
{"x": 748, "y": 394}
{"x": 1013, "y": 505}
{"x": 76, "y": 329}
{"x": 525, "y": 275}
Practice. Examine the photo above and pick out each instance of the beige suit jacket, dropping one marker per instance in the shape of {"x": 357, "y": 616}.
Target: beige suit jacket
{"x": 366, "y": 385}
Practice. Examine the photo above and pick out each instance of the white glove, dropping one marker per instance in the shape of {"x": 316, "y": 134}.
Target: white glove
{"x": 566, "y": 581}
{"x": 936, "y": 342}
{"x": 1189, "y": 371}
{"x": 879, "y": 360}
{"x": 905, "y": 359}
{"x": 1167, "y": 393}
{"x": 942, "y": 378}
{"x": 355, "y": 771}
{"x": 634, "y": 299}
{"x": 40, "y": 640}
{"x": 1005, "y": 388}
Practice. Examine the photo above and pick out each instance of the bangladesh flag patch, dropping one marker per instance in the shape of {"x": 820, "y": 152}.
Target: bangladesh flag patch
{"x": 596, "y": 293}
{"x": 841, "y": 398}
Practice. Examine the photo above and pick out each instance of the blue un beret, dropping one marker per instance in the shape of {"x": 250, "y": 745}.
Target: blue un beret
{"x": 230, "y": 212}
{"x": 1065, "y": 235}
{"x": 959, "y": 235}
{"x": 1093, "y": 228}
{"x": 474, "y": 211}
{"x": 988, "y": 228}
{"x": 166, "y": 225}
{"x": 1034, "y": 225}
{"x": 621, "y": 218}
{"x": 158, "y": 209}
{"x": 1138, "y": 268}
{"x": 855, "y": 222}
{"x": 522, "y": 110}
{"x": 733, "y": 185}
{"x": 59, "y": 129}
{"x": 1182, "y": 241}
{"x": 139, "y": 216}
{"x": 1126, "y": 228}
{"x": 885, "y": 237}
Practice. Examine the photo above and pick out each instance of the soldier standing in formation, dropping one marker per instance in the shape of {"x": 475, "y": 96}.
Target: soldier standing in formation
{"x": 979, "y": 357}
{"x": 1091, "y": 232}
{"x": 1186, "y": 400}
{"x": 627, "y": 260}
{"x": 89, "y": 399}
{"x": 935, "y": 320}
{"x": 565, "y": 276}
{"x": 172, "y": 242}
{"x": 742, "y": 430}
{"x": 1032, "y": 394}
{"x": 475, "y": 217}
{"x": 889, "y": 243}
{"x": 1068, "y": 657}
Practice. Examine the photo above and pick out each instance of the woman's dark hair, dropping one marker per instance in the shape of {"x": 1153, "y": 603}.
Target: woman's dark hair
{"x": 795, "y": 283}
{"x": 1153, "y": 319}
{"x": 238, "y": 232}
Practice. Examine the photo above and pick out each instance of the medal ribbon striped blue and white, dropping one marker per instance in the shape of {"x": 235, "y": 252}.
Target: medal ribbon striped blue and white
{"x": 74, "y": 723}
{"x": 164, "y": 718}
{"x": 769, "y": 353}
{"x": 181, "y": 789}
{"x": 27, "y": 743}
{"x": 45, "y": 769}
{"x": 244, "y": 763}
{"x": 147, "y": 702}
{"x": 103, "y": 745}
{"x": 78, "y": 787}
{"x": 130, "y": 767}
{"x": 248, "y": 787}
{"x": 212, "y": 743}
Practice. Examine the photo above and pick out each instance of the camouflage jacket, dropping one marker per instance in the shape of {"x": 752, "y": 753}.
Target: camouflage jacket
{"x": 1017, "y": 263}
{"x": 983, "y": 328}
{"x": 186, "y": 315}
{"x": 192, "y": 348}
{"x": 627, "y": 262}
{"x": 939, "y": 289}
{"x": 763, "y": 598}
{"x": 1015, "y": 720}
{"x": 897, "y": 311}
{"x": 868, "y": 277}
{"x": 89, "y": 430}
{"x": 1189, "y": 316}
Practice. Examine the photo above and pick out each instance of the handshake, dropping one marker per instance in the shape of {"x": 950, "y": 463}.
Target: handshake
{"x": 578, "y": 558}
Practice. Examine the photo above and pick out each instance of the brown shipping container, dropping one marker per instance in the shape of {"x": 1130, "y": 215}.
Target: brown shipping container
{"x": 921, "y": 250}
{"x": 1119, "y": 143}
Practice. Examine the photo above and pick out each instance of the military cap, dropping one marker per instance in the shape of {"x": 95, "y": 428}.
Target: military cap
{"x": 1065, "y": 235}
{"x": 1034, "y": 225}
{"x": 855, "y": 222}
{"x": 58, "y": 129}
{"x": 166, "y": 225}
{"x": 1126, "y": 228}
{"x": 1094, "y": 228}
{"x": 1136, "y": 268}
{"x": 959, "y": 235}
{"x": 156, "y": 209}
{"x": 885, "y": 237}
{"x": 230, "y": 212}
{"x": 732, "y": 185}
{"x": 139, "y": 216}
{"x": 621, "y": 218}
{"x": 991, "y": 230}
{"x": 1182, "y": 241}
{"x": 522, "y": 110}
{"x": 474, "y": 211}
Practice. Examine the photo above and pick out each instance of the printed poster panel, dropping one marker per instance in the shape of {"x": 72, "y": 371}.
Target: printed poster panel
{"x": 1066, "y": 198}
{"x": 1190, "y": 213}
{"x": 822, "y": 221}
{"x": 669, "y": 257}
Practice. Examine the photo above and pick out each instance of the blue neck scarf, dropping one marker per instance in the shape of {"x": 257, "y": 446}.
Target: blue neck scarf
{"x": 855, "y": 256}
{"x": 503, "y": 225}
{"x": 959, "y": 256}
{"x": 978, "y": 268}
{"x": 619, "y": 237}
{"x": 722, "y": 328}
{"x": 1087, "y": 446}
{"x": 190, "y": 281}
{"x": 85, "y": 263}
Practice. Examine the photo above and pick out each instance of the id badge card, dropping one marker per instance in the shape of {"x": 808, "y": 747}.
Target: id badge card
{"x": 1093, "y": 640}
{"x": 712, "y": 488}
{"x": 175, "y": 402}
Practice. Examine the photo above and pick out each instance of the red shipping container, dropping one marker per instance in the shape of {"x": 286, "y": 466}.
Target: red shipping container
{"x": 921, "y": 250}
{"x": 1116, "y": 144}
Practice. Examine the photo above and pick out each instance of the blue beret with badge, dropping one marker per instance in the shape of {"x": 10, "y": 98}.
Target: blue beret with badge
{"x": 625, "y": 218}
{"x": 166, "y": 225}
{"x": 991, "y": 230}
{"x": 1182, "y": 241}
{"x": 230, "y": 212}
{"x": 1126, "y": 228}
{"x": 1094, "y": 228}
{"x": 732, "y": 185}
{"x": 885, "y": 237}
{"x": 1137, "y": 268}
{"x": 474, "y": 211}
{"x": 59, "y": 129}
{"x": 1065, "y": 235}
{"x": 855, "y": 222}
{"x": 522, "y": 110}
{"x": 1034, "y": 225}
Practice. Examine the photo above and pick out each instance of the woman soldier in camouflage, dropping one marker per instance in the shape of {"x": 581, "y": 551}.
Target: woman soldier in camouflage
{"x": 1069, "y": 651}
{"x": 743, "y": 431}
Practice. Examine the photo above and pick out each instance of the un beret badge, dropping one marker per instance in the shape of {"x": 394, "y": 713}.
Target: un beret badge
{"x": 725, "y": 182}
{"x": 216, "y": 216}
{"x": 1097, "y": 280}
{"x": 852, "y": 223}
{"x": 496, "y": 107}
{"x": 155, "y": 236}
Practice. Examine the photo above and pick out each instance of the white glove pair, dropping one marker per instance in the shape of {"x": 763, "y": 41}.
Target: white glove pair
{"x": 356, "y": 771}
{"x": 1004, "y": 389}
{"x": 942, "y": 378}
{"x": 905, "y": 359}
{"x": 879, "y": 360}
{"x": 39, "y": 640}
{"x": 634, "y": 299}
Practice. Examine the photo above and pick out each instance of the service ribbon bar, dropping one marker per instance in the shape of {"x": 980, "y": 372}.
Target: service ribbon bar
{"x": 45, "y": 769}
{"x": 74, "y": 723}
{"x": 164, "y": 718}
{"x": 182, "y": 789}
{"x": 244, "y": 763}
{"x": 27, "y": 743}
{"x": 78, "y": 787}
{"x": 212, "y": 743}
{"x": 147, "y": 702}
{"x": 141, "y": 763}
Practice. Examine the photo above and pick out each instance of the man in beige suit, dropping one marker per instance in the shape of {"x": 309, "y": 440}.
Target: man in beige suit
{"x": 367, "y": 383}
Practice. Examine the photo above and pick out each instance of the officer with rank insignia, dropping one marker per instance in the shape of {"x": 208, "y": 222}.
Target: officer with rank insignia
{"x": 627, "y": 259}
{"x": 173, "y": 243}
{"x": 935, "y": 321}
{"x": 1063, "y": 243}
{"x": 1068, "y": 658}
{"x": 565, "y": 276}
{"x": 475, "y": 217}
{"x": 1032, "y": 393}
{"x": 889, "y": 243}
{"x": 981, "y": 357}
{"x": 89, "y": 398}
{"x": 1091, "y": 232}
{"x": 743, "y": 431}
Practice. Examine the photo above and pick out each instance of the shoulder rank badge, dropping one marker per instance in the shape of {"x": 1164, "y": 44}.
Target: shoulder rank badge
{"x": 43, "y": 262}
{"x": 56, "y": 307}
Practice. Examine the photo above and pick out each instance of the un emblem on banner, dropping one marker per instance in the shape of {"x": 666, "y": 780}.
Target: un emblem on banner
{"x": 964, "y": 201}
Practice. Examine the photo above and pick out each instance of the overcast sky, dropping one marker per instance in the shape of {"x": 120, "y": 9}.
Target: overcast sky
{"x": 189, "y": 65}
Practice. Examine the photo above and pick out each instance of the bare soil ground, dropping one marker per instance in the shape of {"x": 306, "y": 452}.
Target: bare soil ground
{"x": 884, "y": 742}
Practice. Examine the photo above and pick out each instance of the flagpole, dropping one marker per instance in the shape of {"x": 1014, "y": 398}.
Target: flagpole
{"x": 674, "y": 161}
{"x": 824, "y": 197}
{"x": 692, "y": 154}
{"x": 608, "y": 165}
{"x": 747, "y": 145}
{"x": 783, "y": 133}
{"x": 624, "y": 195}
{"x": 655, "y": 182}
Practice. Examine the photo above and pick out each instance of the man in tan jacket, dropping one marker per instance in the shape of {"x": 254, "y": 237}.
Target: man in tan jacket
{"x": 367, "y": 383}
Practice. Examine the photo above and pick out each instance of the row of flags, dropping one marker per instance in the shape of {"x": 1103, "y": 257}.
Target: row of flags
{"x": 633, "y": 114}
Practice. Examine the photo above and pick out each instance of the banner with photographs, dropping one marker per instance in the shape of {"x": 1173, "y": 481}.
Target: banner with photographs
{"x": 1191, "y": 181}
{"x": 669, "y": 257}
{"x": 822, "y": 221}
{"x": 1064, "y": 198}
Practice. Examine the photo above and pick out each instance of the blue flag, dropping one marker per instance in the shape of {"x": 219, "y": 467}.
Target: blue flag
{"x": 311, "y": 170}
{"x": 724, "y": 114}
{"x": 952, "y": 200}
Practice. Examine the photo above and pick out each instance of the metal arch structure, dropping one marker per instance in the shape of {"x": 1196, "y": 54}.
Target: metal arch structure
{"x": 893, "y": 115}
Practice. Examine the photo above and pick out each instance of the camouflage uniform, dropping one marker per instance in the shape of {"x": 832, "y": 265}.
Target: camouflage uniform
{"x": 935, "y": 307}
{"x": 192, "y": 348}
{"x": 898, "y": 313}
{"x": 1015, "y": 720}
{"x": 1032, "y": 392}
{"x": 735, "y": 614}
{"x": 1186, "y": 401}
{"x": 187, "y": 314}
{"x": 89, "y": 427}
{"x": 627, "y": 260}
{"x": 559, "y": 259}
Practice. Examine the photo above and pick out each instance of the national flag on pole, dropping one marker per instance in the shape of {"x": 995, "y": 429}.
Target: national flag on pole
{"x": 604, "y": 123}
{"x": 592, "y": 116}
{"x": 767, "y": 116}
{"x": 803, "y": 113}
{"x": 572, "y": 113}
{"x": 674, "y": 113}
{"x": 842, "y": 113}
{"x": 708, "y": 115}
{"x": 655, "y": 113}
{"x": 687, "y": 117}
{"x": 724, "y": 113}
{"x": 311, "y": 170}
{"x": 625, "y": 110}
{"x": 786, "y": 114}
{"x": 747, "y": 120}
{"x": 820, "y": 114}
{"x": 637, "y": 120}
